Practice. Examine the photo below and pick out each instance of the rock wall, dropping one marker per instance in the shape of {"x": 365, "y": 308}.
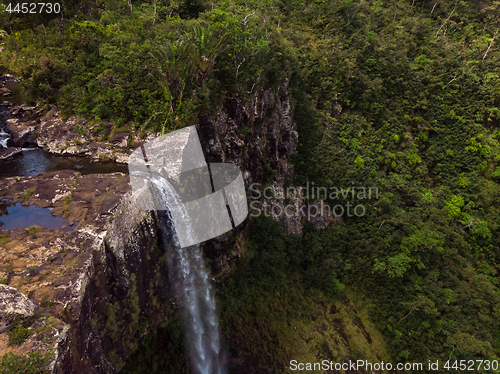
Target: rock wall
{"x": 259, "y": 136}
{"x": 97, "y": 288}
{"x": 127, "y": 295}
{"x": 118, "y": 288}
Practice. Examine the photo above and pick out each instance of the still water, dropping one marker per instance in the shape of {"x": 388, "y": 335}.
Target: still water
{"x": 16, "y": 216}
{"x": 34, "y": 161}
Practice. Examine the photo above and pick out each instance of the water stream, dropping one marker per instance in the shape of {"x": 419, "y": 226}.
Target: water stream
{"x": 192, "y": 285}
{"x": 4, "y": 138}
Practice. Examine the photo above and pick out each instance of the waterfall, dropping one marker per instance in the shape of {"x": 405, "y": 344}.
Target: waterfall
{"x": 193, "y": 286}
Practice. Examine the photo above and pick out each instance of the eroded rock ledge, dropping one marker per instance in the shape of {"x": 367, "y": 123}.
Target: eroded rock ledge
{"x": 96, "y": 290}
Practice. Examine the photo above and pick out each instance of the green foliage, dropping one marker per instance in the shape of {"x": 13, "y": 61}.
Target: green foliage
{"x": 106, "y": 65}
{"x": 190, "y": 8}
{"x": 67, "y": 200}
{"x": 27, "y": 194}
{"x": 161, "y": 352}
{"x": 134, "y": 309}
{"x": 380, "y": 104}
{"x": 454, "y": 205}
{"x": 111, "y": 323}
{"x": 19, "y": 334}
{"x": 35, "y": 363}
{"x": 32, "y": 230}
{"x": 395, "y": 95}
{"x": 31, "y": 270}
{"x": 4, "y": 239}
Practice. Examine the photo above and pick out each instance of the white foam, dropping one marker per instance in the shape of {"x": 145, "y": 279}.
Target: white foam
{"x": 4, "y": 138}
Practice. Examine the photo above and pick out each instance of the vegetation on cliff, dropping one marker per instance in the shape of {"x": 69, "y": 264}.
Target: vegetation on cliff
{"x": 399, "y": 95}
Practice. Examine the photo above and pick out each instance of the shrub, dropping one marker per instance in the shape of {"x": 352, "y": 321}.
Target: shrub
{"x": 4, "y": 239}
{"x": 18, "y": 335}
{"x": 35, "y": 363}
{"x": 27, "y": 194}
{"x": 32, "y": 230}
{"x": 67, "y": 200}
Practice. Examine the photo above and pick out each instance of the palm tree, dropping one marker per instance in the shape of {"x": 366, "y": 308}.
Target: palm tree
{"x": 205, "y": 50}
{"x": 174, "y": 66}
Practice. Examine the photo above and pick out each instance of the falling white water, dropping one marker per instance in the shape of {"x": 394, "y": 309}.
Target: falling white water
{"x": 4, "y": 138}
{"x": 201, "y": 324}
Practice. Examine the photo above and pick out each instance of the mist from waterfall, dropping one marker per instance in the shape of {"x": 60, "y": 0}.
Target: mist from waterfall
{"x": 192, "y": 285}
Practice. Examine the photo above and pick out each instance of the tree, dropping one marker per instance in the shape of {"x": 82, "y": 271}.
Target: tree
{"x": 174, "y": 69}
{"x": 206, "y": 46}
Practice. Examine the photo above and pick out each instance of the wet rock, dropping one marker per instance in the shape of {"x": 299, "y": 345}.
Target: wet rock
{"x": 22, "y": 133}
{"x": 9, "y": 152}
{"x": 13, "y": 306}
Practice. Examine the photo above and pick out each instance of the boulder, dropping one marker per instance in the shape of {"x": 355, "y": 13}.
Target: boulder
{"x": 13, "y": 304}
{"x": 22, "y": 132}
{"x": 4, "y": 91}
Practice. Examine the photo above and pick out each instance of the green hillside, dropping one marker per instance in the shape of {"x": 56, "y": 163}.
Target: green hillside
{"x": 402, "y": 96}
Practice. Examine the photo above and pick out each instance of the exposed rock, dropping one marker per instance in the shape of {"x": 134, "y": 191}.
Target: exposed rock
{"x": 9, "y": 152}
{"x": 77, "y": 137}
{"x": 22, "y": 132}
{"x": 322, "y": 215}
{"x": 4, "y": 91}
{"x": 258, "y": 136}
{"x": 24, "y": 112}
{"x": 93, "y": 282}
{"x": 13, "y": 305}
{"x": 20, "y": 124}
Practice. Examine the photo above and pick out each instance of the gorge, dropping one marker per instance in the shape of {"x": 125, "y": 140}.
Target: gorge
{"x": 402, "y": 97}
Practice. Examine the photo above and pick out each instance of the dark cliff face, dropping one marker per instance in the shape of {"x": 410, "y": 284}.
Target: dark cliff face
{"x": 127, "y": 296}
{"x": 128, "y": 293}
{"x": 259, "y": 136}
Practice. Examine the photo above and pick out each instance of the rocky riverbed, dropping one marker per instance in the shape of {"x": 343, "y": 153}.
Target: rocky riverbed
{"x": 52, "y": 267}
{"x": 28, "y": 126}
